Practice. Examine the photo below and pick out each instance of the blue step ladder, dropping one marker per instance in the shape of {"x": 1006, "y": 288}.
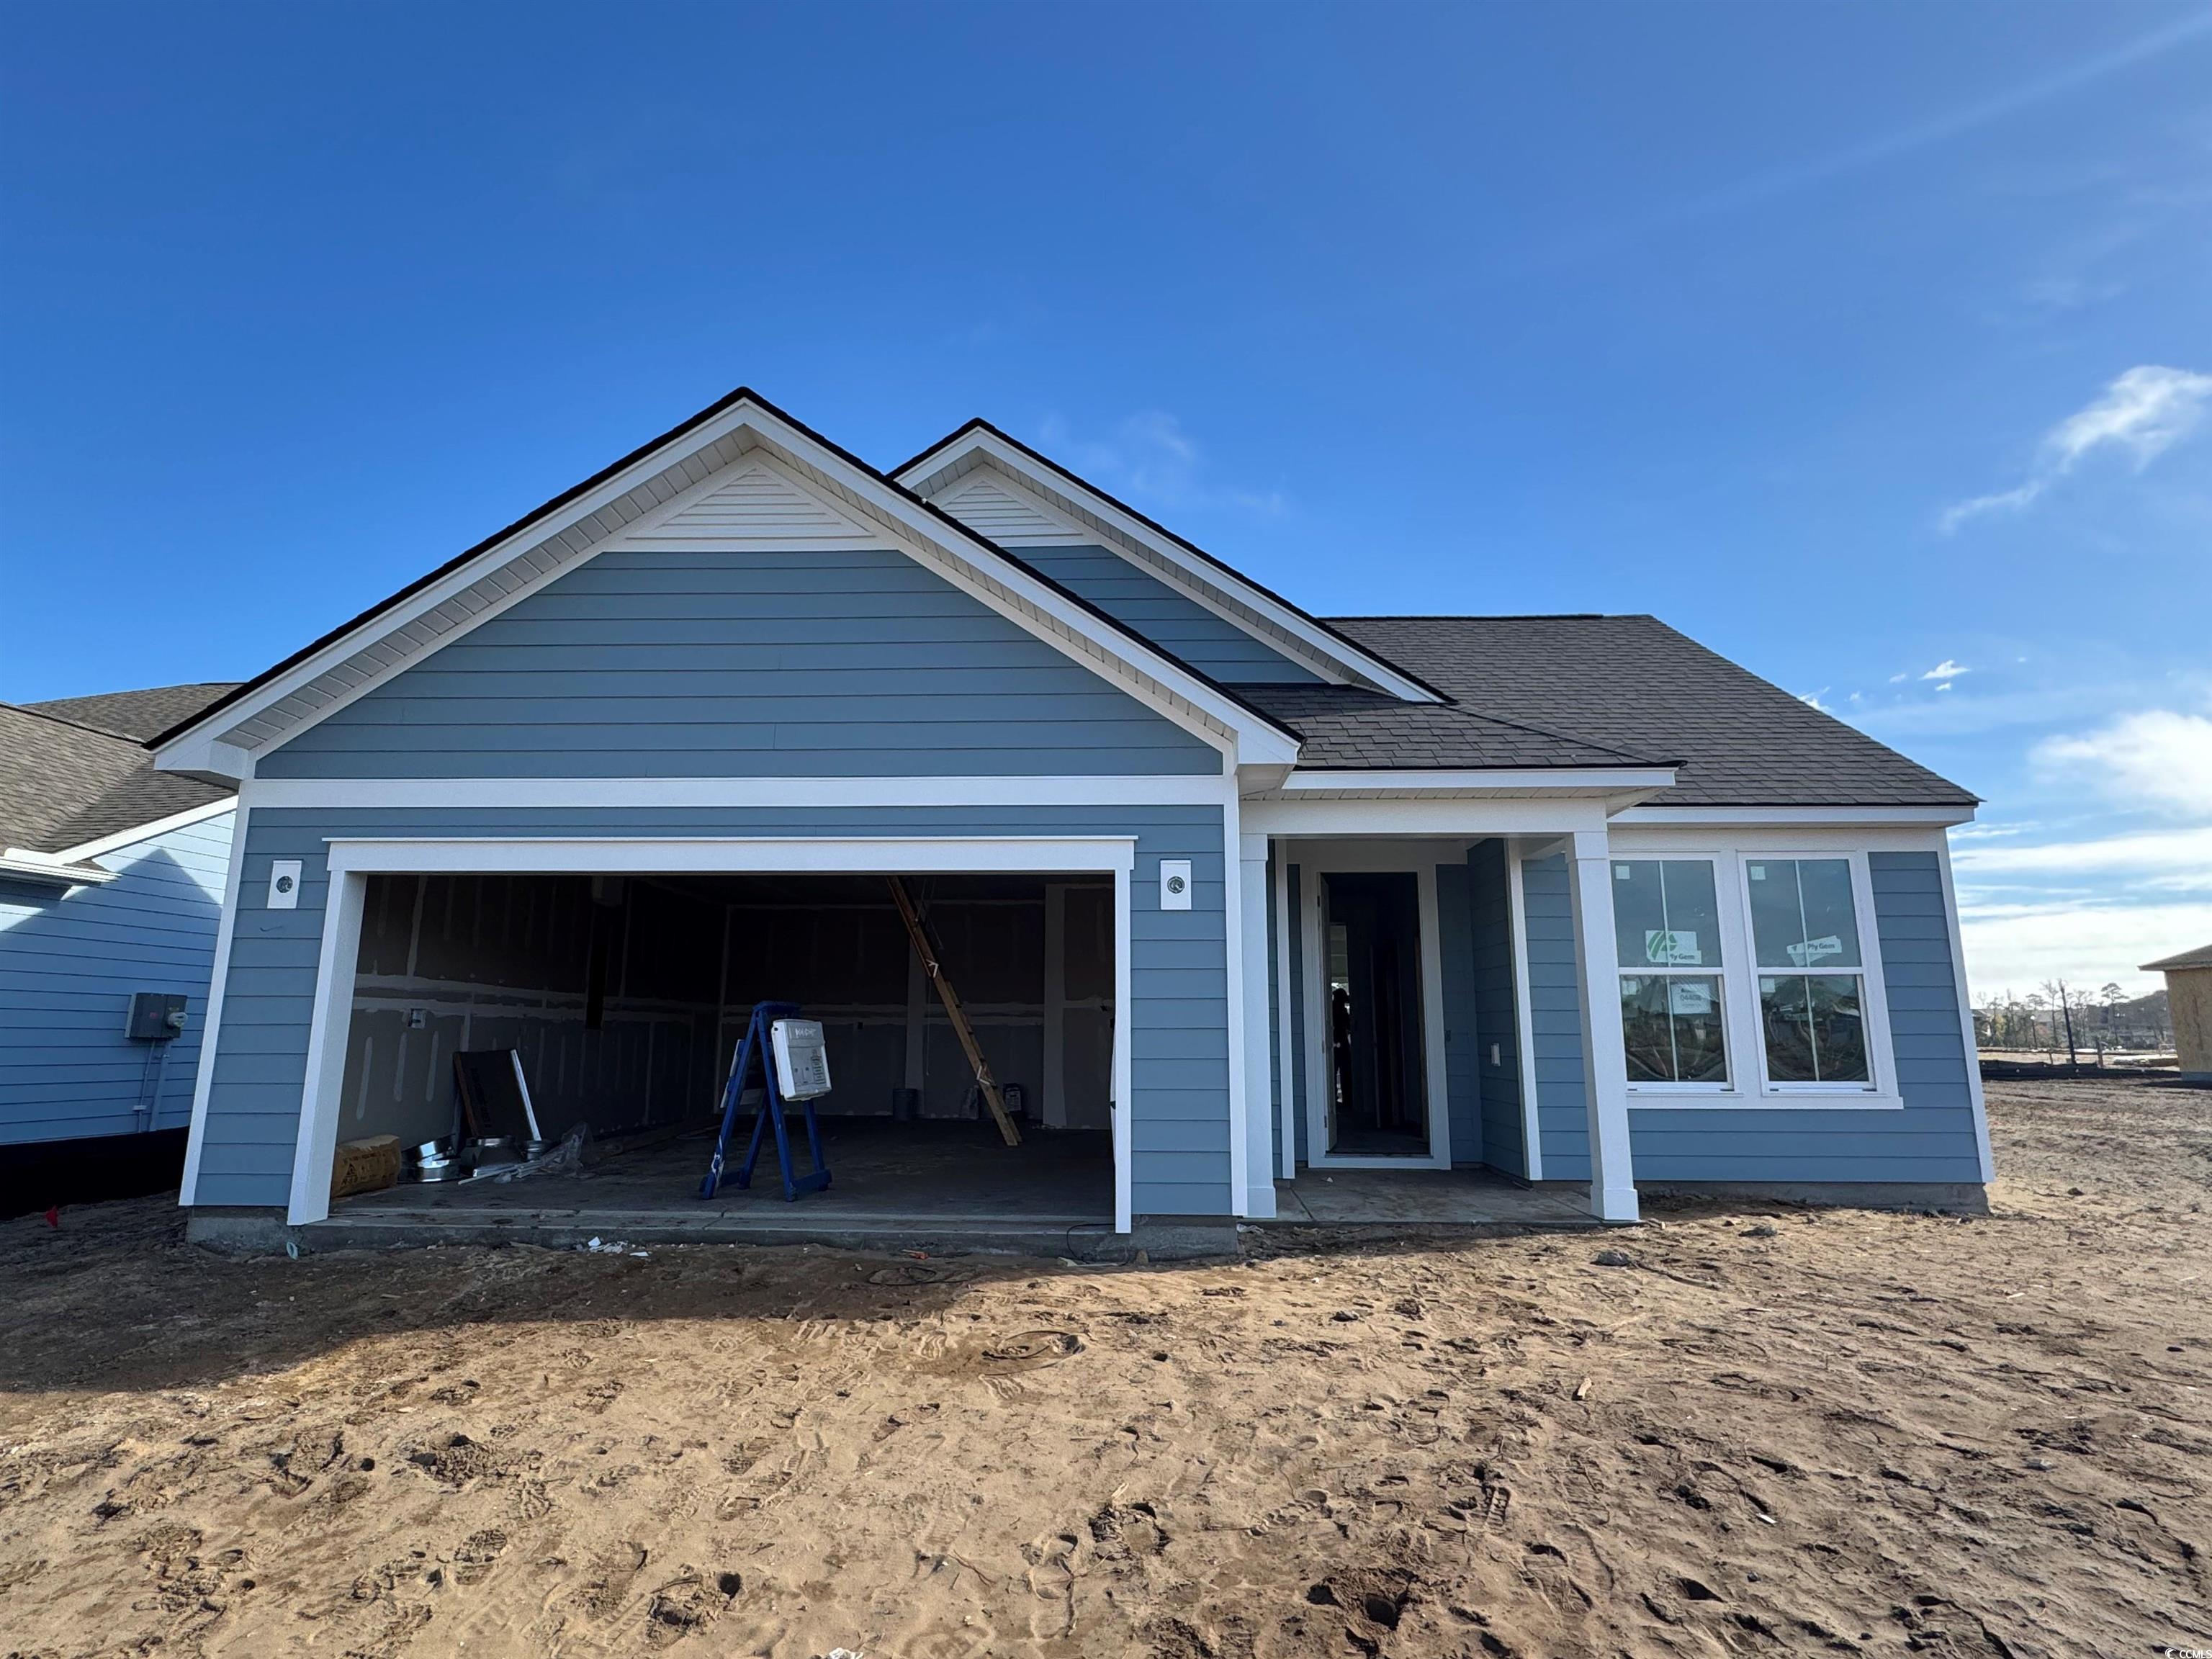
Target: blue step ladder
{"x": 754, "y": 1044}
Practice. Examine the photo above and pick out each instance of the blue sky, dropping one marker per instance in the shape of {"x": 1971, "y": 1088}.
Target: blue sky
{"x": 1869, "y": 345}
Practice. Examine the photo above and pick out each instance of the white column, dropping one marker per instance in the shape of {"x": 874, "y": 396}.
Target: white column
{"x": 1605, "y": 1056}
{"x": 1252, "y": 945}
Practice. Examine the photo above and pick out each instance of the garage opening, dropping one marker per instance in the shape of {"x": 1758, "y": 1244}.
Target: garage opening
{"x": 624, "y": 998}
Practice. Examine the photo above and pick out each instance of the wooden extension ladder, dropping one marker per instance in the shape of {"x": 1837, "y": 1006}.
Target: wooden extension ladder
{"x": 925, "y": 948}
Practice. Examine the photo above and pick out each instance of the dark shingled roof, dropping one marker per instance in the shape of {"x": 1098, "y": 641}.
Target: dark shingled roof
{"x": 138, "y": 715}
{"x": 66, "y": 779}
{"x": 1634, "y": 685}
{"x": 1345, "y": 725}
{"x": 2198, "y": 958}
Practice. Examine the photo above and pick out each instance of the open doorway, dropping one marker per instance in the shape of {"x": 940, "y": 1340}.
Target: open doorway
{"x": 1375, "y": 1093}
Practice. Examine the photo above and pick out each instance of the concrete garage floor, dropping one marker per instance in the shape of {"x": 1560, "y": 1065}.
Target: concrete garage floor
{"x": 1336, "y": 1198}
{"x": 907, "y": 1185}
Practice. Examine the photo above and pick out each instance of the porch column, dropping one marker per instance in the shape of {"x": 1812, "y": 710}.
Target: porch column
{"x": 1605, "y": 1058}
{"x": 1256, "y": 1036}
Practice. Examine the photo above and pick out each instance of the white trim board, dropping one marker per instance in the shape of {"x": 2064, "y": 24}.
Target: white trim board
{"x": 749, "y": 436}
{"x": 592, "y": 793}
{"x": 1353, "y": 858}
{"x": 352, "y": 861}
{"x": 211, "y": 1027}
{"x": 733, "y": 855}
{"x": 1764, "y": 817}
{"x": 1221, "y": 590}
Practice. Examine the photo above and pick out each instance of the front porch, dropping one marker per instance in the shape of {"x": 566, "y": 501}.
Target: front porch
{"x": 1400, "y": 1198}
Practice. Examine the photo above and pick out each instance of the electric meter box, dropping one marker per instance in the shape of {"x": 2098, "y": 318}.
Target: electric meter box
{"x": 802, "y": 1063}
{"x": 155, "y": 1016}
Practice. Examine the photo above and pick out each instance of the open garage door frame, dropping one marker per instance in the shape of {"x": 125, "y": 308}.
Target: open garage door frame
{"x": 352, "y": 861}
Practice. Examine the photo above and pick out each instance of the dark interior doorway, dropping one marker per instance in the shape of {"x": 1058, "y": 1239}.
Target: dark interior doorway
{"x": 1377, "y": 1103}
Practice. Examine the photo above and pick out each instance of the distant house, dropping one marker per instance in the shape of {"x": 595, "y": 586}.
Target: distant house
{"x": 2189, "y": 999}
{"x": 111, "y": 885}
{"x": 1245, "y": 898}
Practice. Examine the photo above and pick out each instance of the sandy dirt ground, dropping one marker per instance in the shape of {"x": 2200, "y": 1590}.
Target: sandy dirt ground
{"x": 1742, "y": 1431}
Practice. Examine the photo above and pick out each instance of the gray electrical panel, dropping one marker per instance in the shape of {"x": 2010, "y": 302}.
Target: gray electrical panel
{"x": 155, "y": 1016}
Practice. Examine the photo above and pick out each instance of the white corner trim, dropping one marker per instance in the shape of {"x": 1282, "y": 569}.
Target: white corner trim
{"x": 212, "y": 1025}
{"x": 1203, "y": 789}
{"x": 1966, "y": 1015}
{"x": 665, "y": 855}
{"x": 123, "y": 838}
{"x": 1120, "y": 1106}
{"x": 1233, "y": 988}
{"x": 403, "y": 632}
{"x": 1761, "y": 818}
{"x": 1336, "y": 658}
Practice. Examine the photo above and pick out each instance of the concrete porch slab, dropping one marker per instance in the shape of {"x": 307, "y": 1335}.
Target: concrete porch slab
{"x": 1400, "y": 1198}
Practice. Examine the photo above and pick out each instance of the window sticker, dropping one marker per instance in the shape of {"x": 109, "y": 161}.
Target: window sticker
{"x": 1759, "y": 873}
{"x": 1690, "y": 996}
{"x": 1672, "y": 947}
{"x": 1806, "y": 952}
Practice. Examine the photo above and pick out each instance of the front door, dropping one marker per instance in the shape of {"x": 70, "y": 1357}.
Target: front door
{"x": 1375, "y": 1084}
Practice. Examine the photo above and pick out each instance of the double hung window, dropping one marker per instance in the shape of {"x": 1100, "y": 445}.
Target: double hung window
{"x": 1812, "y": 976}
{"x": 1667, "y": 925}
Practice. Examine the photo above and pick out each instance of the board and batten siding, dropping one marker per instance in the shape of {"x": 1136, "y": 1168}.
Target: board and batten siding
{"x": 1931, "y": 1138}
{"x": 1178, "y": 1019}
{"x": 70, "y": 962}
{"x": 665, "y": 662}
{"x": 1175, "y": 622}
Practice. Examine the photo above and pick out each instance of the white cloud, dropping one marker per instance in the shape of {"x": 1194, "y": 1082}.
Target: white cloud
{"x": 1811, "y": 700}
{"x": 2141, "y": 415}
{"x": 1947, "y": 670}
{"x": 1150, "y": 456}
{"x": 2018, "y": 946}
{"x": 2156, "y": 758}
{"x": 2165, "y": 860}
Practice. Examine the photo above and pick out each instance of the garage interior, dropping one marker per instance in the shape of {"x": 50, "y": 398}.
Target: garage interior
{"x": 626, "y": 996}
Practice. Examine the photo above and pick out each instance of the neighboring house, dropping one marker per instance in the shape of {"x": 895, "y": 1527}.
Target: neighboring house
{"x": 2188, "y": 1002}
{"x": 111, "y": 885}
{"x": 1570, "y": 898}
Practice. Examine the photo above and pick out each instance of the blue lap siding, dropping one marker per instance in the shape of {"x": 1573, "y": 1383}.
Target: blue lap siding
{"x": 1138, "y": 600}
{"x": 1931, "y": 1138}
{"x": 673, "y": 664}
{"x": 1178, "y": 1019}
{"x": 70, "y": 962}
{"x": 1462, "y": 1033}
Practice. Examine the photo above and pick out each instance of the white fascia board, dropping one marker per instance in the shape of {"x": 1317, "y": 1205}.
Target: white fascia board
{"x": 1347, "y": 660}
{"x": 1753, "y": 817}
{"x": 1510, "y": 781}
{"x": 1464, "y": 819}
{"x": 601, "y": 793}
{"x": 22, "y": 864}
{"x": 972, "y": 563}
{"x": 131, "y": 837}
{"x": 735, "y": 854}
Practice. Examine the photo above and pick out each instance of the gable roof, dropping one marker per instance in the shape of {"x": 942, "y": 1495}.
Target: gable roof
{"x": 484, "y": 578}
{"x": 941, "y": 469}
{"x": 1634, "y": 684}
{"x": 66, "y": 782}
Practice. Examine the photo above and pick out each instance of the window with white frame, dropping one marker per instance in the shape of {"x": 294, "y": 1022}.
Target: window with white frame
{"x": 1667, "y": 923}
{"x": 1811, "y": 972}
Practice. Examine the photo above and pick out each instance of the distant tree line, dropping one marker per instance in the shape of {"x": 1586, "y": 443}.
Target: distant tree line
{"x": 2058, "y": 1019}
